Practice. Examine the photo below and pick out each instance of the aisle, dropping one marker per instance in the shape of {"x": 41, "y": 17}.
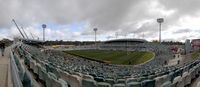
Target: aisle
{"x": 5, "y": 76}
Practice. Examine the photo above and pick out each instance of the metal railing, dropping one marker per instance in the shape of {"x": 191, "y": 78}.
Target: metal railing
{"x": 14, "y": 72}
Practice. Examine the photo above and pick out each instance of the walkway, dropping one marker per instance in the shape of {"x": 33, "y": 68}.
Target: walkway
{"x": 5, "y": 75}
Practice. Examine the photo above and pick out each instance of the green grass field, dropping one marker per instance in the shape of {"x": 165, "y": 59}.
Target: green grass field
{"x": 195, "y": 54}
{"x": 115, "y": 57}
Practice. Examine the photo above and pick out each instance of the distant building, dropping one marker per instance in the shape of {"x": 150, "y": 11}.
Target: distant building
{"x": 188, "y": 46}
{"x": 195, "y": 44}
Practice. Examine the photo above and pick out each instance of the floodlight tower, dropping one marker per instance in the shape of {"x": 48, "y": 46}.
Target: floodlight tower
{"x": 44, "y": 26}
{"x": 160, "y": 21}
{"x": 95, "y": 32}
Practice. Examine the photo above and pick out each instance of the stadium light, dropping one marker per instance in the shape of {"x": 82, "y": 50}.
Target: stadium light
{"x": 95, "y": 30}
{"x": 160, "y": 21}
{"x": 44, "y": 26}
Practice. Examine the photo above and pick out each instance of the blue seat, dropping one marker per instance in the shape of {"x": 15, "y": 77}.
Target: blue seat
{"x": 27, "y": 82}
{"x": 148, "y": 83}
{"x": 99, "y": 79}
{"x": 42, "y": 73}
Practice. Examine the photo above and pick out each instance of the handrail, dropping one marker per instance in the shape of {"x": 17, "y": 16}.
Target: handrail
{"x": 14, "y": 72}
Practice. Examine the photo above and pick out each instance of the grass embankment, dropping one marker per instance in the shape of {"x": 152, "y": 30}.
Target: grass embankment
{"x": 195, "y": 54}
{"x": 115, "y": 57}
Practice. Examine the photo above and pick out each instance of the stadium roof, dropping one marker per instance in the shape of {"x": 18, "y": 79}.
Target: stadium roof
{"x": 32, "y": 41}
{"x": 129, "y": 40}
{"x": 195, "y": 40}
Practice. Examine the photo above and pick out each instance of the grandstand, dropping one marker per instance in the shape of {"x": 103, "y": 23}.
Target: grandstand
{"x": 52, "y": 68}
{"x": 121, "y": 44}
{"x": 125, "y": 41}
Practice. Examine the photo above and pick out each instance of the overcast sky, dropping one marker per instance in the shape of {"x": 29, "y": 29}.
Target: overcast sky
{"x": 75, "y": 19}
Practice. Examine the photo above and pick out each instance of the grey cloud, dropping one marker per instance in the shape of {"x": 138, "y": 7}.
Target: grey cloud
{"x": 184, "y": 7}
{"x": 108, "y": 16}
{"x": 182, "y": 31}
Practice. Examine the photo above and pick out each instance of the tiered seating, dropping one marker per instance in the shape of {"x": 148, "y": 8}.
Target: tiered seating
{"x": 55, "y": 67}
{"x": 50, "y": 79}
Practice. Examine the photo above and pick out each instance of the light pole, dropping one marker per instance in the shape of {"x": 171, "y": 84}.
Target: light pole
{"x": 95, "y": 32}
{"x": 44, "y": 26}
{"x": 160, "y": 21}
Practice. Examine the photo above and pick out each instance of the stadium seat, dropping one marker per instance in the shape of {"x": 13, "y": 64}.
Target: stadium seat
{"x": 151, "y": 76}
{"x": 57, "y": 83}
{"x": 142, "y": 78}
{"x": 77, "y": 73}
{"x": 21, "y": 68}
{"x": 43, "y": 64}
{"x": 52, "y": 75}
{"x": 49, "y": 68}
{"x": 64, "y": 83}
{"x": 75, "y": 81}
{"x": 89, "y": 83}
{"x": 121, "y": 81}
{"x": 51, "y": 81}
{"x": 27, "y": 82}
{"x": 185, "y": 78}
{"x": 119, "y": 85}
{"x": 56, "y": 72}
{"x": 73, "y": 70}
{"x": 87, "y": 77}
{"x": 176, "y": 81}
{"x": 198, "y": 84}
{"x": 128, "y": 80}
{"x": 192, "y": 73}
{"x": 103, "y": 84}
{"x": 42, "y": 73}
{"x": 27, "y": 61}
{"x": 110, "y": 81}
{"x": 166, "y": 84}
{"x": 148, "y": 83}
{"x": 32, "y": 64}
{"x": 35, "y": 70}
{"x": 134, "y": 84}
{"x": 64, "y": 75}
{"x": 196, "y": 71}
{"x": 21, "y": 71}
{"x": 171, "y": 76}
{"x": 160, "y": 80}
{"x": 99, "y": 79}
{"x": 48, "y": 80}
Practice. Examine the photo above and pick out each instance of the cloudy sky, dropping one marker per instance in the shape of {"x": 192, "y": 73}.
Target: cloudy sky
{"x": 75, "y": 19}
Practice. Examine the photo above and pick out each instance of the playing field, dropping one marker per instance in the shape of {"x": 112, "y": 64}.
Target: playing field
{"x": 115, "y": 57}
{"x": 195, "y": 54}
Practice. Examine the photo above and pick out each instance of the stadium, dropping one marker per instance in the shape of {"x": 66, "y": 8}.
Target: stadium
{"x": 99, "y": 43}
{"x": 58, "y": 68}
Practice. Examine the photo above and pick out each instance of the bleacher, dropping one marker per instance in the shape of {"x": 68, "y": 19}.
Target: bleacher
{"x": 54, "y": 69}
